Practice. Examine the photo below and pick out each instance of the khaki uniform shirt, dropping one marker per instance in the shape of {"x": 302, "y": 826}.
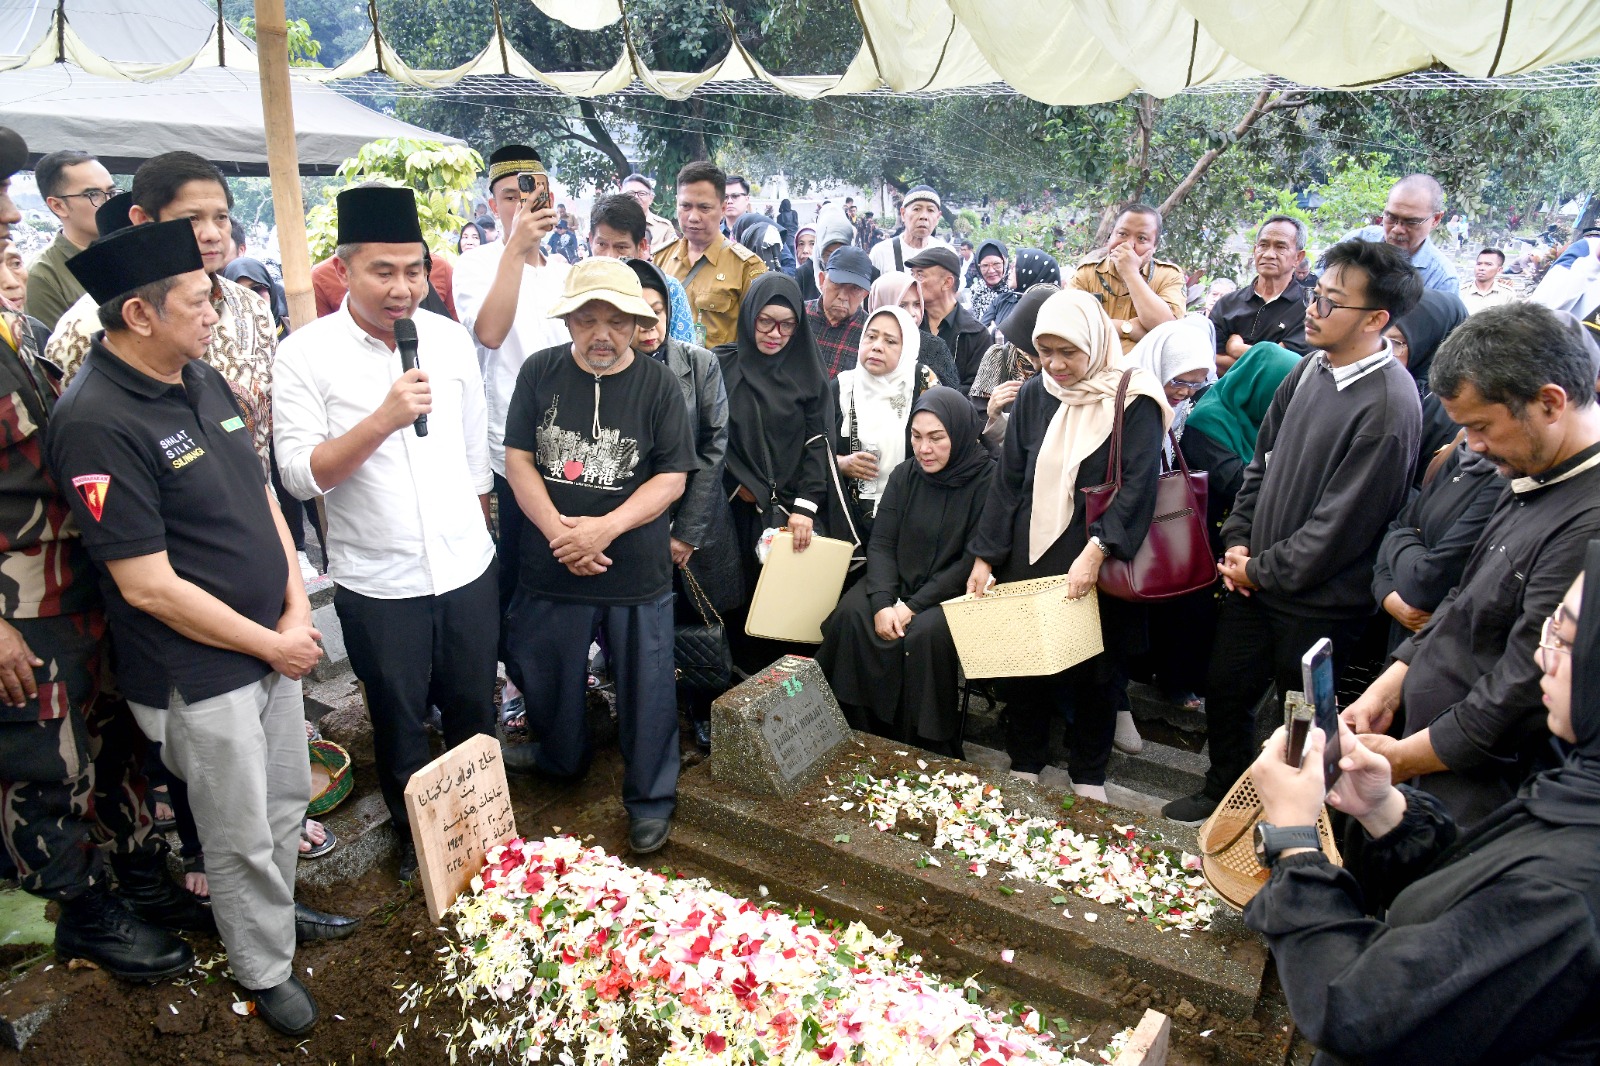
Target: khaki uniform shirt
{"x": 716, "y": 288}
{"x": 1097, "y": 276}
{"x": 660, "y": 230}
{"x": 1499, "y": 293}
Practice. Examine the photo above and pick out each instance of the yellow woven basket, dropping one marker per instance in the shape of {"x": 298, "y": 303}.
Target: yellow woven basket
{"x": 1024, "y": 629}
{"x": 1228, "y": 845}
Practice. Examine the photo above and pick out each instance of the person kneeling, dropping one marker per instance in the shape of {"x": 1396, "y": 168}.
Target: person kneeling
{"x": 598, "y": 447}
{"x": 886, "y": 649}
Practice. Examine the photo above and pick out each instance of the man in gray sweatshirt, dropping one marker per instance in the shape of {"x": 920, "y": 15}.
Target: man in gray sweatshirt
{"x": 1333, "y": 462}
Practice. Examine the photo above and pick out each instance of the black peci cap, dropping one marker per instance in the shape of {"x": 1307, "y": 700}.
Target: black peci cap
{"x": 136, "y": 256}
{"x": 378, "y": 215}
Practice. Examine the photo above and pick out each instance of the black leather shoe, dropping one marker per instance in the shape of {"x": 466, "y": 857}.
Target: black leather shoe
{"x": 99, "y": 927}
{"x": 312, "y": 925}
{"x": 288, "y": 1007}
{"x": 143, "y": 884}
{"x": 408, "y": 861}
{"x": 702, "y": 735}
{"x": 646, "y": 835}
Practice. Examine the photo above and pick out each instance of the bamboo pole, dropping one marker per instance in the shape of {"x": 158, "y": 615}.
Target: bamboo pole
{"x": 283, "y": 159}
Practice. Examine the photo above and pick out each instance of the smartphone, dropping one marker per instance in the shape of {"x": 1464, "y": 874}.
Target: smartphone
{"x": 538, "y": 186}
{"x": 1316, "y": 671}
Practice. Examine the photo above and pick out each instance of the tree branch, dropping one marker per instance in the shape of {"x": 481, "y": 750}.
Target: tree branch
{"x": 1263, "y": 105}
{"x": 603, "y": 142}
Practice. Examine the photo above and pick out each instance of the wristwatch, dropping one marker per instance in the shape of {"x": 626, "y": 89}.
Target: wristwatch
{"x": 1098, "y": 543}
{"x": 1274, "y": 840}
{"x": 1127, "y": 327}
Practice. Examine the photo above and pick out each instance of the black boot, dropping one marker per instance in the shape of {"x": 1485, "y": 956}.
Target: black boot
{"x": 144, "y": 885}
{"x": 99, "y": 927}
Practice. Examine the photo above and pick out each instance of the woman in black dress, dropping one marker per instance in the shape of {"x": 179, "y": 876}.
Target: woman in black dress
{"x": 780, "y": 429}
{"x": 886, "y": 649}
{"x": 1035, "y": 523}
{"x": 1432, "y": 944}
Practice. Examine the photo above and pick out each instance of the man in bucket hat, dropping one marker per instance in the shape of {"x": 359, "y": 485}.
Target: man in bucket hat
{"x": 598, "y": 447}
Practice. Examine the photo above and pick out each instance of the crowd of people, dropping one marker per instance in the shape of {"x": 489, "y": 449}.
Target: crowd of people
{"x": 521, "y": 455}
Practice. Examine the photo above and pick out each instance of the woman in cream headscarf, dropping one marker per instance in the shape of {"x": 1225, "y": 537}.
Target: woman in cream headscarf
{"x": 1034, "y": 524}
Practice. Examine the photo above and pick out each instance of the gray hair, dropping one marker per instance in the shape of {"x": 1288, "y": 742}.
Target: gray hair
{"x": 1300, "y": 234}
{"x": 1424, "y": 183}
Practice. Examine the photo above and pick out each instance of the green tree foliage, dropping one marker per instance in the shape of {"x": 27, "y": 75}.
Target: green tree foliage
{"x": 442, "y": 175}
{"x": 303, "y": 48}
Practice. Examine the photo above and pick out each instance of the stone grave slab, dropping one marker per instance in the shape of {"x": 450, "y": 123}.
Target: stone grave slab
{"x": 459, "y": 808}
{"x": 772, "y": 734}
{"x": 809, "y": 853}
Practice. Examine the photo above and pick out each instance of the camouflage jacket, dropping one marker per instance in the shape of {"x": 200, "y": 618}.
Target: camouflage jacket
{"x": 44, "y": 569}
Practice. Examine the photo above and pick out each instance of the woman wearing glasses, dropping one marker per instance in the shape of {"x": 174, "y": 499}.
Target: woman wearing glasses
{"x": 780, "y": 426}
{"x": 1432, "y": 943}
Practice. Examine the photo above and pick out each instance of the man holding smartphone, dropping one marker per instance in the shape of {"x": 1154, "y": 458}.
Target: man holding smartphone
{"x": 503, "y": 291}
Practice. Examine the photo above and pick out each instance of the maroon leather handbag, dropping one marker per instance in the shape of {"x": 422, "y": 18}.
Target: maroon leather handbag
{"x": 1175, "y": 556}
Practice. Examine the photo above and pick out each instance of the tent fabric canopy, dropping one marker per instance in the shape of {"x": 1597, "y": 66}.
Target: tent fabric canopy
{"x": 142, "y": 78}
{"x": 1056, "y": 51}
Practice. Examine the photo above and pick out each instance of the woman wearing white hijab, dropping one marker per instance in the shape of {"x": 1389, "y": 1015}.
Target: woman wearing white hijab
{"x": 873, "y": 404}
{"x": 1035, "y": 524}
{"x": 1182, "y": 355}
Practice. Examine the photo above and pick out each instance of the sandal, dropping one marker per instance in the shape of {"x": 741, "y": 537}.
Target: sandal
{"x": 160, "y": 797}
{"x": 317, "y": 851}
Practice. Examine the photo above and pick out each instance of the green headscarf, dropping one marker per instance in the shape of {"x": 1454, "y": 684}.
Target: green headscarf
{"x": 1231, "y": 411}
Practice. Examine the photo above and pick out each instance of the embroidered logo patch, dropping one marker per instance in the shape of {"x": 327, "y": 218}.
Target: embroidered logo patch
{"x": 93, "y": 489}
{"x": 233, "y": 423}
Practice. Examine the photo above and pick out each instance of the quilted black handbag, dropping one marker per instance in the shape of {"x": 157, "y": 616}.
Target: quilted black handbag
{"x": 700, "y": 653}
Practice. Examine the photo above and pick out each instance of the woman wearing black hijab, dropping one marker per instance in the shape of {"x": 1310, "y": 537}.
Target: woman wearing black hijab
{"x": 1414, "y": 337}
{"x": 780, "y": 424}
{"x": 886, "y": 649}
{"x": 990, "y": 261}
{"x": 1031, "y": 267}
{"x": 1432, "y": 945}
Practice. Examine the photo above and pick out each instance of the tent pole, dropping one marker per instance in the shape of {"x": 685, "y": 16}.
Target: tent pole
{"x": 283, "y": 159}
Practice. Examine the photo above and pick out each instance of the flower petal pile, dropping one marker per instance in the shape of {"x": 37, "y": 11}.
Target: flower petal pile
{"x": 564, "y": 950}
{"x": 970, "y": 820}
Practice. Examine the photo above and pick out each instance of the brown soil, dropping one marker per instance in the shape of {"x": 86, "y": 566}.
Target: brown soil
{"x": 358, "y": 981}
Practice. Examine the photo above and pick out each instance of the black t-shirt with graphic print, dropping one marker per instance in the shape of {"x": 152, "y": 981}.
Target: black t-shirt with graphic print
{"x": 591, "y": 464}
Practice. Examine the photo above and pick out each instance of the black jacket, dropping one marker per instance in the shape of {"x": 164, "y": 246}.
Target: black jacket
{"x": 701, "y": 517}
{"x": 968, "y": 341}
{"x": 1486, "y": 952}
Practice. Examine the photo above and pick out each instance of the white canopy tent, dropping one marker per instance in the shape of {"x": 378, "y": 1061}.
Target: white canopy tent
{"x": 196, "y": 103}
{"x": 1056, "y": 51}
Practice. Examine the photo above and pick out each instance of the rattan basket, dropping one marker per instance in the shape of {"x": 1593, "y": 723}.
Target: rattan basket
{"x": 331, "y": 779}
{"x": 1228, "y": 846}
{"x": 1024, "y": 629}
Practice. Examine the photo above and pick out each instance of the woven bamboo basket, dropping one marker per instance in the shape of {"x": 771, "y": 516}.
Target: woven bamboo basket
{"x": 1228, "y": 845}
{"x": 1024, "y": 629}
{"x": 331, "y": 779}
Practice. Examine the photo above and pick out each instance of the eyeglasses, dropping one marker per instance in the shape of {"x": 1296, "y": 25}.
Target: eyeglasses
{"x": 1550, "y": 638}
{"x": 1188, "y": 388}
{"x": 96, "y": 197}
{"x": 767, "y": 324}
{"x": 1325, "y": 307}
{"x": 1404, "y": 223}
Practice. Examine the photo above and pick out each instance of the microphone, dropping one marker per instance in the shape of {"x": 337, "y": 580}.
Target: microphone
{"x": 405, "y": 335}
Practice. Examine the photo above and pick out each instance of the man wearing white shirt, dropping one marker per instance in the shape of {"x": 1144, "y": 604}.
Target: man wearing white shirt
{"x": 502, "y": 291}
{"x": 408, "y": 541}
{"x": 919, "y": 211}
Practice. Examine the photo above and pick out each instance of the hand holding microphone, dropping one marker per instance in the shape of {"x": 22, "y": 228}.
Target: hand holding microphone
{"x": 411, "y": 391}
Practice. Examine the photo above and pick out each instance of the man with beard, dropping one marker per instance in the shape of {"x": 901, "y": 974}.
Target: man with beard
{"x": 1520, "y": 379}
{"x": 598, "y": 448}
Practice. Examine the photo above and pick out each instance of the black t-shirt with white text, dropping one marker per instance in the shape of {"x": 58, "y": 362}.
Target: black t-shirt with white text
{"x": 591, "y": 464}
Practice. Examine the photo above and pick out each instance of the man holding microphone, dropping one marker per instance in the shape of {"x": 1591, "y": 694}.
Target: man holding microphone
{"x": 407, "y": 502}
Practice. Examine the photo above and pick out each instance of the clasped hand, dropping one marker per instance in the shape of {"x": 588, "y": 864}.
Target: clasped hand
{"x": 581, "y": 546}
{"x": 890, "y": 623}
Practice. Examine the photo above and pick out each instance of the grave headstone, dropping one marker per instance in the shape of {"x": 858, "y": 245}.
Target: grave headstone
{"x": 773, "y": 732}
{"x": 459, "y": 808}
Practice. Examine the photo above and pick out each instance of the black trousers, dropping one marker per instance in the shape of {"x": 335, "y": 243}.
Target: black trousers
{"x": 549, "y": 662}
{"x": 507, "y": 551}
{"x": 1088, "y": 694}
{"x": 1257, "y": 646}
{"x": 418, "y": 651}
